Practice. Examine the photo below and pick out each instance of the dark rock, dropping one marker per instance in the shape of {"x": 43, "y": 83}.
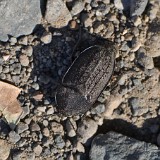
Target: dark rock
{"x": 137, "y": 7}
{"x": 114, "y": 146}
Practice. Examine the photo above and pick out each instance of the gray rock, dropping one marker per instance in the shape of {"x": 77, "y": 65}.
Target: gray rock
{"x": 59, "y": 142}
{"x": 114, "y": 146}
{"x": 21, "y": 127}
{"x": 78, "y": 6}
{"x": 57, "y": 13}
{"x": 14, "y": 137}
{"x": 19, "y": 17}
{"x": 137, "y": 7}
{"x": 122, "y": 4}
{"x": 37, "y": 149}
{"x": 24, "y": 60}
{"x": 34, "y": 127}
{"x": 136, "y": 107}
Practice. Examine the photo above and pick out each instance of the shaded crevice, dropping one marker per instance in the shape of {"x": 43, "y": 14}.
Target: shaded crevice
{"x": 43, "y": 4}
{"x": 130, "y": 130}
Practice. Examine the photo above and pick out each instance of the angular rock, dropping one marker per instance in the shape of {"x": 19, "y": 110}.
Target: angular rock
{"x": 19, "y": 17}
{"x": 9, "y": 105}
{"x": 114, "y": 146}
{"x": 57, "y": 13}
{"x": 4, "y": 149}
{"x": 122, "y": 4}
{"x": 86, "y": 129}
{"x": 137, "y": 7}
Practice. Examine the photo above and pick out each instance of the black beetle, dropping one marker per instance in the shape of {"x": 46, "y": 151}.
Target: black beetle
{"x": 86, "y": 78}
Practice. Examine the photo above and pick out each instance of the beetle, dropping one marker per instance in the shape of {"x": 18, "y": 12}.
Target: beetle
{"x": 86, "y": 78}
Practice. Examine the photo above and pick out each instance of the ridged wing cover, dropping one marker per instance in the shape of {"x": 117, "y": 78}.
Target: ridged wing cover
{"x": 91, "y": 71}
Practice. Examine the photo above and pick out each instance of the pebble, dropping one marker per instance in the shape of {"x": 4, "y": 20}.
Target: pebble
{"x": 70, "y": 130}
{"x": 28, "y": 51}
{"x": 50, "y": 111}
{"x": 137, "y": 7}
{"x": 122, "y": 4}
{"x": 37, "y": 150}
{"x": 99, "y": 109}
{"x": 57, "y": 128}
{"x": 59, "y": 142}
{"x": 42, "y": 109}
{"x": 46, "y": 132}
{"x": 86, "y": 129}
{"x": 24, "y": 60}
{"x": 14, "y": 137}
{"x": 46, "y": 38}
{"x": 59, "y": 16}
{"x": 77, "y": 7}
{"x": 21, "y": 127}
{"x": 34, "y": 127}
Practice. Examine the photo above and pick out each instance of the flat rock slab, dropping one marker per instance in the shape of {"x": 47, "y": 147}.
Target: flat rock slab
{"x": 9, "y": 105}
{"x": 18, "y": 17}
{"x": 114, "y": 146}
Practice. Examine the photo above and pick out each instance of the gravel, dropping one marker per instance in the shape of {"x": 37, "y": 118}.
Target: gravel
{"x": 36, "y": 62}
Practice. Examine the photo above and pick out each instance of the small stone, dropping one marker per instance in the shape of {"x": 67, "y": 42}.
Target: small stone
{"x": 59, "y": 16}
{"x": 46, "y": 132}
{"x": 4, "y": 149}
{"x": 100, "y": 108}
{"x": 6, "y": 57}
{"x": 80, "y": 147}
{"x": 23, "y": 41}
{"x": 57, "y": 128}
{"x": 122, "y": 4}
{"x": 38, "y": 96}
{"x": 77, "y": 7}
{"x": 137, "y": 7}
{"x": 37, "y": 150}
{"x": 45, "y": 123}
{"x": 73, "y": 25}
{"x": 137, "y": 21}
{"x": 86, "y": 129}
{"x": 21, "y": 127}
{"x": 31, "y": 156}
{"x": 14, "y": 137}
{"x": 28, "y": 51}
{"x": 59, "y": 142}
{"x": 46, "y": 38}
{"x": 13, "y": 40}
{"x": 34, "y": 127}
{"x": 42, "y": 109}
{"x": 24, "y": 60}
{"x": 70, "y": 130}
{"x": 50, "y": 111}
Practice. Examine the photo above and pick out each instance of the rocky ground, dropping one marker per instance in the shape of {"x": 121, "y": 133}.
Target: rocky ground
{"x": 37, "y": 42}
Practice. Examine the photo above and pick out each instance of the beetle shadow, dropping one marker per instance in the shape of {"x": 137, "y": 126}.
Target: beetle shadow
{"x": 146, "y": 132}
